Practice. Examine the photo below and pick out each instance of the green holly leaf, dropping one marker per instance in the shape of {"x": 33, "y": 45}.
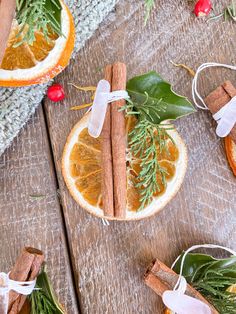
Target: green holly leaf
{"x": 154, "y": 97}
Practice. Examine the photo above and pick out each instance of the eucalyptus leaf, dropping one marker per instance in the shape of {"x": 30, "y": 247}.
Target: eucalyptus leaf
{"x": 154, "y": 98}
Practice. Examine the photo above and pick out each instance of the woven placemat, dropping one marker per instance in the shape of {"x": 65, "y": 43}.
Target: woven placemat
{"x": 18, "y": 104}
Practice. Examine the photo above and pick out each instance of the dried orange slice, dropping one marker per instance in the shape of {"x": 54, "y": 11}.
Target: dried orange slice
{"x": 230, "y": 148}
{"x": 38, "y": 63}
{"x": 81, "y": 169}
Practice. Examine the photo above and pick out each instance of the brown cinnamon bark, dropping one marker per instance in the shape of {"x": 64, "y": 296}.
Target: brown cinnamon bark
{"x": 7, "y": 13}
{"x": 220, "y": 97}
{"x": 107, "y": 168}
{"x": 26, "y": 268}
{"x": 118, "y": 135}
{"x": 160, "y": 278}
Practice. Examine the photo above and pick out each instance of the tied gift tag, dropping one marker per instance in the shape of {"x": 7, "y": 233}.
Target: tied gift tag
{"x": 183, "y": 304}
{"x": 102, "y": 98}
{"x": 226, "y": 116}
{"x": 176, "y": 300}
{"x": 7, "y": 284}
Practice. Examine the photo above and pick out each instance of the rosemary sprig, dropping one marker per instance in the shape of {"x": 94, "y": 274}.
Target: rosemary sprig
{"x": 38, "y": 15}
{"x": 146, "y": 141}
{"x": 213, "y": 285}
{"x": 43, "y": 300}
{"x": 212, "y": 277}
{"x": 229, "y": 13}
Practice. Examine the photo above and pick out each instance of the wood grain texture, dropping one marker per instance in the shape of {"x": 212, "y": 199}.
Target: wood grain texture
{"x": 109, "y": 261}
{"x": 26, "y": 172}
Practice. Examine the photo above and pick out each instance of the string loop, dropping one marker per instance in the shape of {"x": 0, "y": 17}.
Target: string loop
{"x": 192, "y": 248}
{"x": 226, "y": 116}
{"x": 103, "y": 97}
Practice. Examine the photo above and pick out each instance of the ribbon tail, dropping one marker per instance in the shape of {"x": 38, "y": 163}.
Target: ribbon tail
{"x": 184, "y": 304}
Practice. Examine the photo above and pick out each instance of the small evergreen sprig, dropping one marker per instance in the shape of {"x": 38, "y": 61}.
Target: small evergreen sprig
{"x": 146, "y": 141}
{"x": 213, "y": 285}
{"x": 229, "y": 13}
{"x": 212, "y": 278}
{"x": 38, "y": 15}
{"x": 43, "y": 300}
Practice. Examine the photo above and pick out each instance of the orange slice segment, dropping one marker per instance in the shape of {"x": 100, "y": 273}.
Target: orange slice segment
{"x": 81, "y": 169}
{"x": 38, "y": 63}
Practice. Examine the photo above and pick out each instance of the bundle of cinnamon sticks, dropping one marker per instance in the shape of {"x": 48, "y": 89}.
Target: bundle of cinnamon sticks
{"x": 26, "y": 268}
{"x": 114, "y": 147}
{"x": 161, "y": 278}
{"x": 219, "y": 98}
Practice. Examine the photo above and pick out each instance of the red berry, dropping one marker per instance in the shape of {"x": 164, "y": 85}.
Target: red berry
{"x": 202, "y": 8}
{"x": 56, "y": 93}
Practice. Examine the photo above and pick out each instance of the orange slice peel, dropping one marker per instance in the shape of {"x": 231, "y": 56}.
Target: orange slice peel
{"x": 26, "y": 65}
{"x": 82, "y": 172}
{"x": 230, "y": 148}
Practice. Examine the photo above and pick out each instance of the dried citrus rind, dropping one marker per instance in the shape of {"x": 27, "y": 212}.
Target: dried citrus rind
{"x": 81, "y": 167}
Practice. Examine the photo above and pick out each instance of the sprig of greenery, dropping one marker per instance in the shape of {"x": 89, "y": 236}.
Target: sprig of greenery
{"x": 43, "y": 300}
{"x": 153, "y": 103}
{"x": 213, "y": 285}
{"x": 212, "y": 278}
{"x": 38, "y": 15}
{"x": 146, "y": 141}
{"x": 41, "y": 304}
{"x": 149, "y": 5}
{"x": 229, "y": 13}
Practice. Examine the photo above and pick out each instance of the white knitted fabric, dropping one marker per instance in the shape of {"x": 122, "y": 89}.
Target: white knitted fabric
{"x": 18, "y": 104}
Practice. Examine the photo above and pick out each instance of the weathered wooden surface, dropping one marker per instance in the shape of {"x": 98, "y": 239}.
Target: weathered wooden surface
{"x": 109, "y": 261}
{"x": 26, "y": 171}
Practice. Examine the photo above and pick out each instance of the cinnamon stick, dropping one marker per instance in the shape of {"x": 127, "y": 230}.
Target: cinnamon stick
{"x": 118, "y": 135}
{"x": 107, "y": 173}
{"x": 26, "y": 268}
{"x": 160, "y": 278}
{"x": 220, "y": 97}
{"x": 7, "y": 13}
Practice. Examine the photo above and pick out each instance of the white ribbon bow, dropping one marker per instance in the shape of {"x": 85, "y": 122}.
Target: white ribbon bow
{"x": 7, "y": 284}
{"x": 176, "y": 300}
{"x": 226, "y": 116}
{"x": 102, "y": 98}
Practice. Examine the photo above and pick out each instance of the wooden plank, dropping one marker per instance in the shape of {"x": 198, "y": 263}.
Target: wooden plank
{"x": 26, "y": 171}
{"x": 109, "y": 261}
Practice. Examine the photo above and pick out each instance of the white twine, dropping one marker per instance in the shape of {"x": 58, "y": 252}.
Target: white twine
{"x": 7, "y": 284}
{"x": 179, "y": 283}
{"x": 116, "y": 95}
{"x": 176, "y": 299}
{"x": 103, "y": 97}
{"x": 105, "y": 222}
{"x": 226, "y": 116}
